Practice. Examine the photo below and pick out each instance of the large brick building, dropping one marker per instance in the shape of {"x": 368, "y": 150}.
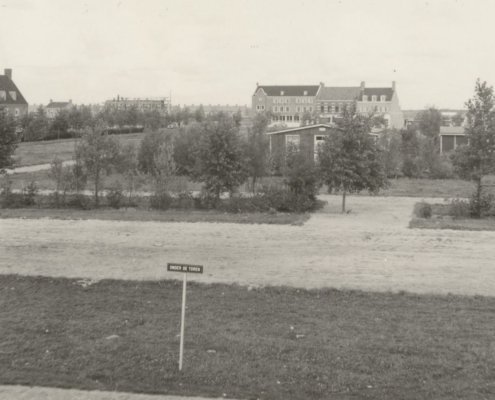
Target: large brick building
{"x": 11, "y": 99}
{"x": 287, "y": 104}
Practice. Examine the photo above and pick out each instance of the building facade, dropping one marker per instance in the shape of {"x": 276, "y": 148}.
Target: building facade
{"x": 162, "y": 104}
{"x": 54, "y": 107}
{"x": 11, "y": 99}
{"x": 287, "y": 104}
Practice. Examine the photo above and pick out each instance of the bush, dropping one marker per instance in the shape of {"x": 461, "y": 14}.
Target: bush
{"x": 10, "y": 199}
{"x": 459, "y": 208}
{"x": 115, "y": 195}
{"x": 78, "y": 201}
{"x": 29, "y": 193}
{"x": 185, "y": 201}
{"x": 485, "y": 205}
{"x": 423, "y": 210}
{"x": 161, "y": 200}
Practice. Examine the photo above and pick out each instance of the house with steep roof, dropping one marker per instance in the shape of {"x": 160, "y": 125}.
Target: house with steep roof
{"x": 286, "y": 103}
{"x": 54, "y": 107}
{"x": 11, "y": 99}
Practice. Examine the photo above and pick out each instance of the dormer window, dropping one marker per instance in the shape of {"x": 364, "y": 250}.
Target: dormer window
{"x": 373, "y": 98}
{"x": 382, "y": 97}
{"x": 13, "y": 94}
{"x": 365, "y": 98}
{"x": 281, "y": 93}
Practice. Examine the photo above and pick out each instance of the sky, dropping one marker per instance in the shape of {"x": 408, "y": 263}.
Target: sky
{"x": 215, "y": 51}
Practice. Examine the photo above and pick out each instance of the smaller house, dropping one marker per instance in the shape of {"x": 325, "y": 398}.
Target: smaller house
{"x": 54, "y": 107}
{"x": 451, "y": 137}
{"x": 305, "y": 138}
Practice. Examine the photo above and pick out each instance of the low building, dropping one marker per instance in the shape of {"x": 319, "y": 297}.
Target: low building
{"x": 305, "y": 138}
{"x": 11, "y": 99}
{"x": 161, "y": 104}
{"x": 54, "y": 107}
{"x": 451, "y": 137}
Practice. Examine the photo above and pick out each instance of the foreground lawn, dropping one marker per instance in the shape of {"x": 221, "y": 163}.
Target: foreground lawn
{"x": 267, "y": 343}
{"x": 157, "y": 216}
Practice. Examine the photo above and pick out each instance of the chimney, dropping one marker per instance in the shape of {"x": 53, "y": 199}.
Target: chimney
{"x": 393, "y": 86}
{"x": 362, "y": 85}
{"x": 8, "y": 73}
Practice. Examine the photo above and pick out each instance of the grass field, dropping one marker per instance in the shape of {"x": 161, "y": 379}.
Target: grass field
{"x": 32, "y": 153}
{"x": 156, "y": 216}
{"x": 270, "y": 343}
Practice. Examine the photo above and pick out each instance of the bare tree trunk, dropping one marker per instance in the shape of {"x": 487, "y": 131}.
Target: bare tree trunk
{"x": 97, "y": 178}
{"x": 479, "y": 191}
{"x": 254, "y": 184}
{"x": 343, "y": 200}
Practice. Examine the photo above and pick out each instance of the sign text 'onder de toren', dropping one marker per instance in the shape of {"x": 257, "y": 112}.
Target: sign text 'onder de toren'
{"x": 175, "y": 267}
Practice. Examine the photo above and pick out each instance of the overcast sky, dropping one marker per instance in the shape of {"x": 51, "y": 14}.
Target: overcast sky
{"x": 214, "y": 51}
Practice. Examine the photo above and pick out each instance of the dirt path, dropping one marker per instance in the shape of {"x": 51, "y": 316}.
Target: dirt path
{"x": 39, "y": 393}
{"x": 371, "y": 248}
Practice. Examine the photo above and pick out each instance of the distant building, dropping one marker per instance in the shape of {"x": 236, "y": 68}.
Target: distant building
{"x": 216, "y": 108}
{"x": 288, "y": 104}
{"x": 162, "y": 104}
{"x": 54, "y": 107}
{"x": 11, "y": 99}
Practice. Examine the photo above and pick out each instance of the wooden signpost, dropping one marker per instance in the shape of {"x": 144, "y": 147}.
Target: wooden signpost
{"x": 185, "y": 268}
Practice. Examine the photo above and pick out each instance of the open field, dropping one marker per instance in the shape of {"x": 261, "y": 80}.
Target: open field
{"x": 371, "y": 248}
{"x": 43, "y": 152}
{"x": 271, "y": 343}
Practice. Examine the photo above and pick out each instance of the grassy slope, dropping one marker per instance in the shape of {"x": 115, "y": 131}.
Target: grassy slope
{"x": 245, "y": 343}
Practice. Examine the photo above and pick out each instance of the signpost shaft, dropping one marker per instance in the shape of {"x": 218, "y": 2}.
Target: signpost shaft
{"x": 182, "y": 321}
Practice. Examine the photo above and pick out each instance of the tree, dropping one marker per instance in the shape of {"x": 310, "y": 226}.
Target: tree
{"x": 477, "y": 159}
{"x": 37, "y": 126}
{"x": 220, "y": 159}
{"x": 349, "y": 160}
{"x": 257, "y": 149}
{"x": 97, "y": 153}
{"x": 199, "y": 114}
{"x": 60, "y": 124}
{"x": 390, "y": 143}
{"x": 8, "y": 140}
{"x": 458, "y": 118}
{"x": 429, "y": 122}
{"x": 186, "y": 144}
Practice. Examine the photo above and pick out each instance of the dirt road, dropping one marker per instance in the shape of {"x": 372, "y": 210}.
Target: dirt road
{"x": 371, "y": 248}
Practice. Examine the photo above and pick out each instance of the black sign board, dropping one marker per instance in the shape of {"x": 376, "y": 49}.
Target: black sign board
{"x": 175, "y": 267}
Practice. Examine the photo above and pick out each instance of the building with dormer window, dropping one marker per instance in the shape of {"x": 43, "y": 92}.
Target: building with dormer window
{"x": 11, "y": 99}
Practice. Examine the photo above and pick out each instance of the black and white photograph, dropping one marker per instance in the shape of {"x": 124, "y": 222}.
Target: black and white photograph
{"x": 247, "y": 200}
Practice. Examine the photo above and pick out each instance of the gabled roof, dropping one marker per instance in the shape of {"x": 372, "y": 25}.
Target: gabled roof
{"x": 301, "y": 128}
{"x": 339, "y": 93}
{"x": 388, "y": 92}
{"x": 297, "y": 90}
{"x": 8, "y": 85}
{"x": 58, "y": 104}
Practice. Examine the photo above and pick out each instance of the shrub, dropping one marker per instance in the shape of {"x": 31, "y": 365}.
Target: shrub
{"x": 185, "y": 201}
{"x": 115, "y": 195}
{"x": 78, "y": 201}
{"x": 459, "y": 208}
{"x": 29, "y": 193}
{"x": 161, "y": 200}
{"x": 422, "y": 210}
{"x": 481, "y": 207}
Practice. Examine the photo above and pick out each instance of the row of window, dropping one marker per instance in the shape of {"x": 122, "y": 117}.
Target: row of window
{"x": 287, "y": 109}
{"x": 374, "y": 98}
{"x": 285, "y": 118}
{"x": 287, "y": 100}
{"x": 374, "y": 109}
